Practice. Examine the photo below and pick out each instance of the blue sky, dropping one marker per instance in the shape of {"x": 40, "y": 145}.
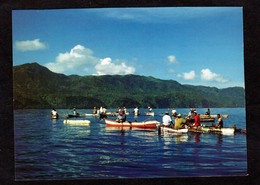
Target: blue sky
{"x": 192, "y": 45}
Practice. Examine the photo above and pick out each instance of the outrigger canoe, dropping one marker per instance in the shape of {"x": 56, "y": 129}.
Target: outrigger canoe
{"x": 142, "y": 124}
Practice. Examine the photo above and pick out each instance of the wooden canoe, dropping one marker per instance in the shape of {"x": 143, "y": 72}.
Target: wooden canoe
{"x": 172, "y": 130}
{"x": 77, "y": 121}
{"x": 73, "y": 115}
{"x": 142, "y": 124}
{"x": 224, "y": 131}
{"x": 213, "y": 116}
{"x": 202, "y": 120}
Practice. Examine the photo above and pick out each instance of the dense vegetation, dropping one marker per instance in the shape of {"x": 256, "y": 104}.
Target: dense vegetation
{"x": 37, "y": 87}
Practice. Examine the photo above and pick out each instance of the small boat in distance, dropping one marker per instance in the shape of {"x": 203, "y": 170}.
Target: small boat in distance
{"x": 213, "y": 116}
{"x": 73, "y": 115}
{"x": 149, "y": 113}
{"x": 77, "y": 121}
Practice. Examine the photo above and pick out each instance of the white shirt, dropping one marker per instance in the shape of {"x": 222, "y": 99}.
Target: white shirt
{"x": 166, "y": 120}
{"x": 173, "y": 111}
{"x": 54, "y": 112}
{"x": 136, "y": 110}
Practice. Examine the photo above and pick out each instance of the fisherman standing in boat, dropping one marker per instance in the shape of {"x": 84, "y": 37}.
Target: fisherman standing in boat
{"x": 179, "y": 122}
{"x": 150, "y": 109}
{"x": 74, "y": 111}
{"x": 54, "y": 113}
{"x": 220, "y": 122}
{"x": 95, "y": 110}
{"x": 167, "y": 121}
{"x": 136, "y": 111}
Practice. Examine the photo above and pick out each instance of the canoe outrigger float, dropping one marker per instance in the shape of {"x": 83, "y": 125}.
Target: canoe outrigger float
{"x": 142, "y": 124}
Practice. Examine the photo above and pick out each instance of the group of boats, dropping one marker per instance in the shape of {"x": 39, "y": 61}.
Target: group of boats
{"x": 156, "y": 124}
{"x": 152, "y": 124}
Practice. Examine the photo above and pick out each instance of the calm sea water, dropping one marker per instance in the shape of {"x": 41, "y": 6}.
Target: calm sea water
{"x": 50, "y": 149}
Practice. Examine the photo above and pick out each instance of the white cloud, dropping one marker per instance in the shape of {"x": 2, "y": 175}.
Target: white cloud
{"x": 172, "y": 60}
{"x": 30, "y": 45}
{"x": 207, "y": 75}
{"x": 189, "y": 76}
{"x": 107, "y": 67}
{"x": 79, "y": 58}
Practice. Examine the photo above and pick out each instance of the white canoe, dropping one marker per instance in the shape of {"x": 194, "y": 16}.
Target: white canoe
{"x": 149, "y": 113}
{"x": 224, "y": 131}
{"x": 142, "y": 124}
{"x": 91, "y": 114}
{"x": 77, "y": 121}
{"x": 172, "y": 130}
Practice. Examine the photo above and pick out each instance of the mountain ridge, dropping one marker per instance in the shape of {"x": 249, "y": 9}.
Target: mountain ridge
{"x": 35, "y": 86}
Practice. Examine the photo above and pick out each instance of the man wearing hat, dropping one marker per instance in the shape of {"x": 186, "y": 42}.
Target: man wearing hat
{"x": 179, "y": 122}
{"x": 167, "y": 120}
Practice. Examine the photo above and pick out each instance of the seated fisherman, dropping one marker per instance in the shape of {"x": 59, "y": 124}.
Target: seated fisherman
{"x": 208, "y": 112}
{"x": 167, "y": 121}
{"x": 121, "y": 117}
{"x": 179, "y": 122}
{"x": 197, "y": 120}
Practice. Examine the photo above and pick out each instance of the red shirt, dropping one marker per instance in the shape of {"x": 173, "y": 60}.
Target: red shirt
{"x": 197, "y": 120}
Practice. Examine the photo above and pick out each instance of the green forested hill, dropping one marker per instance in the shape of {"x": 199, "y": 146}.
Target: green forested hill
{"x": 37, "y": 87}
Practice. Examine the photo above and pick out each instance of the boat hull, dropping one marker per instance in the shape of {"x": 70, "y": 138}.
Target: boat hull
{"x": 144, "y": 124}
{"x": 77, "y": 121}
{"x": 172, "y": 130}
{"x": 213, "y": 116}
{"x": 225, "y": 131}
{"x": 73, "y": 116}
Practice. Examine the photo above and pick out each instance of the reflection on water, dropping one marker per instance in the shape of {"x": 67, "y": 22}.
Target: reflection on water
{"x": 46, "y": 148}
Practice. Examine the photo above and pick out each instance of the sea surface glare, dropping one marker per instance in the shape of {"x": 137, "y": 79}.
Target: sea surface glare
{"x": 50, "y": 149}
